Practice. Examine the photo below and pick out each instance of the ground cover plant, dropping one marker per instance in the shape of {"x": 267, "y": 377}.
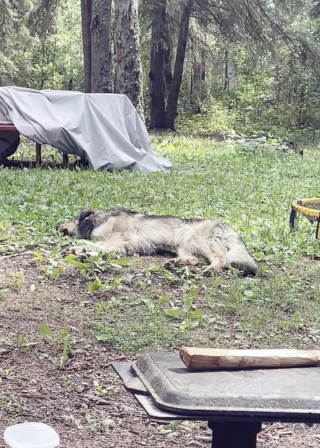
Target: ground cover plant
{"x": 63, "y": 321}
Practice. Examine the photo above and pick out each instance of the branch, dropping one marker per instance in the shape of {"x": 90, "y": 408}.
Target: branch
{"x": 42, "y": 18}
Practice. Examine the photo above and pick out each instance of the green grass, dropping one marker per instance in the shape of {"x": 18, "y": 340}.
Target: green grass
{"x": 251, "y": 190}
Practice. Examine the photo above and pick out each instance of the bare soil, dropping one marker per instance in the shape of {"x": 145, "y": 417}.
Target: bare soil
{"x": 85, "y": 402}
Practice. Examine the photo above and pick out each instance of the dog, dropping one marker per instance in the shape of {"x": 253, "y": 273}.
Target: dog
{"x": 124, "y": 232}
{"x": 291, "y": 144}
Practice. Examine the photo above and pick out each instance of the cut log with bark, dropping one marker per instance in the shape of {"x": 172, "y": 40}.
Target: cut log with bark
{"x": 218, "y": 359}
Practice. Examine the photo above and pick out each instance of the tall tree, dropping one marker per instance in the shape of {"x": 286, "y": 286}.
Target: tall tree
{"x": 229, "y": 71}
{"x": 174, "y": 91}
{"x": 96, "y": 39}
{"x": 7, "y": 22}
{"x": 157, "y": 64}
{"x": 42, "y": 17}
{"x": 128, "y": 76}
{"x": 168, "y": 57}
{"x": 101, "y": 56}
{"x": 196, "y": 87}
{"x": 14, "y": 36}
{"x": 86, "y": 14}
{"x": 199, "y": 49}
{"x": 165, "y": 87}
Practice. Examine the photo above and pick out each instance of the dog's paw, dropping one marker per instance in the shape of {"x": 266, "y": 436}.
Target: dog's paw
{"x": 75, "y": 250}
{"x": 81, "y": 252}
{"x": 213, "y": 269}
{"x": 208, "y": 272}
{"x": 179, "y": 262}
{"x": 188, "y": 261}
{"x": 170, "y": 264}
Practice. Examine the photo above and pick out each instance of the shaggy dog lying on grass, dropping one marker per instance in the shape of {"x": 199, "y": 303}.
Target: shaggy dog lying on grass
{"x": 123, "y": 232}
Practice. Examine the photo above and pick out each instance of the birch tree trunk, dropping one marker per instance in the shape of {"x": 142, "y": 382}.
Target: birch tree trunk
{"x": 157, "y": 65}
{"x": 101, "y": 56}
{"x": 230, "y": 71}
{"x": 172, "y": 103}
{"x": 128, "y": 76}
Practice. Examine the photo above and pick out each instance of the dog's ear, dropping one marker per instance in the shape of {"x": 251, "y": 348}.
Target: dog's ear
{"x": 85, "y": 214}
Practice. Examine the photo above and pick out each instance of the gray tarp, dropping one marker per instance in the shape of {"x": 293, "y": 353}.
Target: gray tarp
{"x": 104, "y": 129}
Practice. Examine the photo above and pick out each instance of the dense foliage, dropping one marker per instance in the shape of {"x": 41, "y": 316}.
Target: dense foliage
{"x": 274, "y": 68}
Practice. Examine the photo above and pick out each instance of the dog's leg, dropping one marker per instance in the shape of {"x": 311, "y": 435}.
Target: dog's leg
{"x": 84, "y": 251}
{"x": 216, "y": 258}
{"x": 184, "y": 258}
{"x": 115, "y": 244}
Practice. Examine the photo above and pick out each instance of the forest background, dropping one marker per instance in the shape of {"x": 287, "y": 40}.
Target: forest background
{"x": 193, "y": 65}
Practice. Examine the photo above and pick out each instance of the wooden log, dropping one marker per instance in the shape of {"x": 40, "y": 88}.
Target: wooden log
{"x": 38, "y": 155}
{"x": 65, "y": 160}
{"x": 218, "y": 359}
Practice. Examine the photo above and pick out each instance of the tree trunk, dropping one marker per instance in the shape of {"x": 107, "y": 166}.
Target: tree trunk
{"x": 196, "y": 83}
{"x": 173, "y": 97}
{"x": 230, "y": 71}
{"x": 167, "y": 60}
{"x": 203, "y": 66}
{"x": 101, "y": 56}
{"x": 86, "y": 42}
{"x": 128, "y": 77}
{"x": 156, "y": 74}
{"x": 196, "y": 77}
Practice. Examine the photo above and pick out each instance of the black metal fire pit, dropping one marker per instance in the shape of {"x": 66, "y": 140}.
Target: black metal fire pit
{"x": 235, "y": 403}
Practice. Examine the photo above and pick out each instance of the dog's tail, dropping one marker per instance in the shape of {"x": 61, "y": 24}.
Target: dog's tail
{"x": 239, "y": 258}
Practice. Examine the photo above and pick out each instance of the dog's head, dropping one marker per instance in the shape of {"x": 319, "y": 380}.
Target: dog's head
{"x": 85, "y": 225}
{"x": 81, "y": 227}
{"x": 294, "y": 146}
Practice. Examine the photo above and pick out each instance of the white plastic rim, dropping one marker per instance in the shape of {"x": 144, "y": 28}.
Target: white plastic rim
{"x": 31, "y": 435}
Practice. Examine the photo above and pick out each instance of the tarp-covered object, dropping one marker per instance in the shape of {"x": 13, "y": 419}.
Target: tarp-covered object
{"x": 9, "y": 142}
{"x": 103, "y": 129}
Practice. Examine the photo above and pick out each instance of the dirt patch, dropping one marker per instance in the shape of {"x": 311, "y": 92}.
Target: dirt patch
{"x": 85, "y": 401}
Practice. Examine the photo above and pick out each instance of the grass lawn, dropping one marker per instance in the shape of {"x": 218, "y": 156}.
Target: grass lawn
{"x": 62, "y": 323}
